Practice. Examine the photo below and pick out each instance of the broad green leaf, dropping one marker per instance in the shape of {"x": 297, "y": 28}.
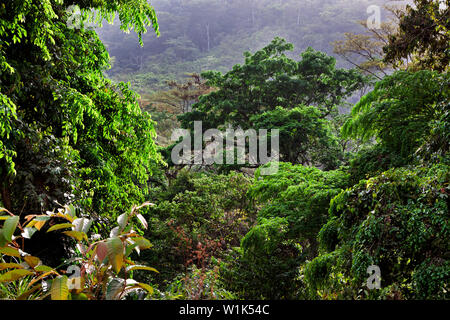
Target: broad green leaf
{"x": 59, "y": 289}
{"x": 9, "y": 227}
{"x": 15, "y": 275}
{"x": 114, "y": 232}
{"x": 42, "y": 218}
{"x": 43, "y": 268}
{"x": 60, "y": 226}
{"x": 70, "y": 210}
{"x": 130, "y": 248}
{"x": 80, "y": 296}
{"x": 114, "y": 288}
{"x": 3, "y": 241}
{"x": 115, "y": 253}
{"x": 143, "y": 243}
{"x": 4, "y": 266}
{"x": 8, "y": 251}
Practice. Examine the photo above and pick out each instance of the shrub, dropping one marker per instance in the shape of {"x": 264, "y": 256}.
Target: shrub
{"x": 102, "y": 267}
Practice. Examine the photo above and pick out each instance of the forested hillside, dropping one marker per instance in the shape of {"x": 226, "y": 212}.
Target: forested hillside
{"x": 201, "y": 35}
{"x": 224, "y": 150}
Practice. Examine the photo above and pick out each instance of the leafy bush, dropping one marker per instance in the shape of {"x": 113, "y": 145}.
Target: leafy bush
{"x": 102, "y": 268}
{"x": 295, "y": 204}
{"x": 197, "y": 217}
{"x": 399, "y": 221}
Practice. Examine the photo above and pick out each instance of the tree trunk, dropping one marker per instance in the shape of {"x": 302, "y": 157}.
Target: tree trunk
{"x": 208, "y": 37}
{"x": 6, "y": 197}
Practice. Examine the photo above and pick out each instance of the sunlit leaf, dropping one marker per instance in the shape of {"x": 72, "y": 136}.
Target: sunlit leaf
{"x": 39, "y": 224}
{"x": 141, "y": 267}
{"x": 42, "y": 276}
{"x": 12, "y": 252}
{"x": 43, "y": 268}
{"x": 60, "y": 226}
{"x": 143, "y": 243}
{"x": 114, "y": 232}
{"x": 146, "y": 287}
{"x": 70, "y": 210}
{"x": 77, "y": 235}
{"x": 32, "y": 261}
{"x": 42, "y": 218}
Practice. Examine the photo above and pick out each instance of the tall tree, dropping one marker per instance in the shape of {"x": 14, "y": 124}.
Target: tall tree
{"x": 66, "y": 131}
{"x": 423, "y": 36}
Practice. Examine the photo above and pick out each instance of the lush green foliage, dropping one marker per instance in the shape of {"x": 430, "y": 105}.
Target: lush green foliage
{"x": 67, "y": 133}
{"x": 197, "y": 218}
{"x": 101, "y": 268}
{"x": 400, "y": 110}
{"x": 272, "y": 91}
{"x": 399, "y": 221}
{"x": 269, "y": 79}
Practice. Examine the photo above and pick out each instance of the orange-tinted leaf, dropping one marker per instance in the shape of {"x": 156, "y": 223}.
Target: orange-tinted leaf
{"x": 42, "y": 276}
{"x": 32, "y": 261}
{"x": 115, "y": 253}
{"x": 4, "y": 266}
{"x": 39, "y": 224}
{"x": 15, "y": 275}
{"x": 59, "y": 289}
